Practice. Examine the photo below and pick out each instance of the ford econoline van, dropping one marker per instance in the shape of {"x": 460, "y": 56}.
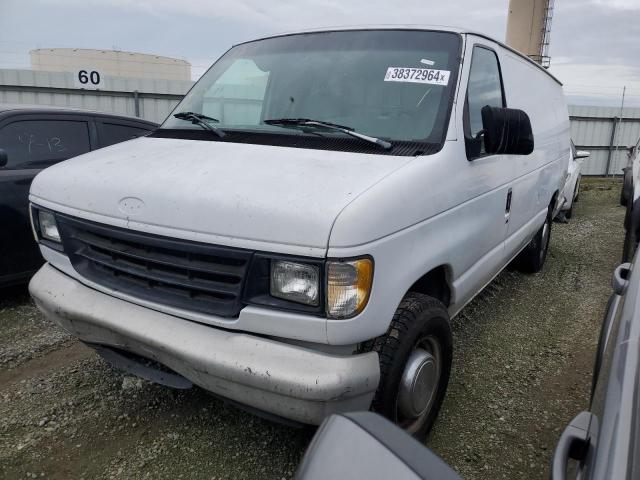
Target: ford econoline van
{"x": 298, "y": 233}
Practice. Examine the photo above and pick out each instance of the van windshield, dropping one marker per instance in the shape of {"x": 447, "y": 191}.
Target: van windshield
{"x": 395, "y": 85}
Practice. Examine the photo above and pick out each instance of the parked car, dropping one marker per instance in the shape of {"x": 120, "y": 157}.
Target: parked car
{"x": 604, "y": 440}
{"x": 630, "y": 198}
{"x": 297, "y": 235}
{"x": 33, "y": 138}
{"x": 571, "y": 188}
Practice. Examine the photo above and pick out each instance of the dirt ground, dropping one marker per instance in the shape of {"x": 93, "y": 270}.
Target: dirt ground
{"x": 522, "y": 370}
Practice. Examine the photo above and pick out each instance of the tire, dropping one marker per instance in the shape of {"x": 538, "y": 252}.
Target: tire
{"x": 420, "y": 324}
{"x": 626, "y": 186}
{"x": 569, "y": 213}
{"x": 629, "y": 247}
{"x": 532, "y": 258}
{"x": 575, "y": 194}
{"x": 630, "y": 244}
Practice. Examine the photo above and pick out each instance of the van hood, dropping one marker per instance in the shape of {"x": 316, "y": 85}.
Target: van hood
{"x": 253, "y": 196}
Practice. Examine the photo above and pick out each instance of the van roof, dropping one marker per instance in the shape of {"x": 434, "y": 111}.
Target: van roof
{"x": 437, "y": 28}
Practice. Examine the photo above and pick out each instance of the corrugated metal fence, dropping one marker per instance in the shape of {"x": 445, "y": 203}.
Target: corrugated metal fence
{"x": 597, "y": 129}
{"x": 140, "y": 97}
{"x": 606, "y": 134}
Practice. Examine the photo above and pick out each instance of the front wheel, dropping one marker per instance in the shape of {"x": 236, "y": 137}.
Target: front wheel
{"x": 532, "y": 258}
{"x": 415, "y": 363}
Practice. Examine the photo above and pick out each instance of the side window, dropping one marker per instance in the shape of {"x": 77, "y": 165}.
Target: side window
{"x": 236, "y": 97}
{"x": 40, "y": 143}
{"x": 484, "y": 88}
{"x": 111, "y": 133}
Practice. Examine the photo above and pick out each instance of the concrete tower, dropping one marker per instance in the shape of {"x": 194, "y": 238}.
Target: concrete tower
{"x": 529, "y": 28}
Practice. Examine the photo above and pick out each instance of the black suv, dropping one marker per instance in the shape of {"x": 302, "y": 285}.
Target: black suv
{"x": 33, "y": 138}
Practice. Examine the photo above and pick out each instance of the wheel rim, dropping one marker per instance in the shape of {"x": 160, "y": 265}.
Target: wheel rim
{"x": 545, "y": 240}
{"x": 419, "y": 384}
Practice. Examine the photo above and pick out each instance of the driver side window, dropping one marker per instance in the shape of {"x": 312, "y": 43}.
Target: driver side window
{"x": 236, "y": 97}
{"x": 484, "y": 88}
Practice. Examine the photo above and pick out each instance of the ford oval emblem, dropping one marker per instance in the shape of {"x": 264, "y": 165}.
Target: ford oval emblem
{"x": 130, "y": 206}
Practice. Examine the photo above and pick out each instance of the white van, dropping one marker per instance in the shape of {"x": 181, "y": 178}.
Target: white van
{"x": 296, "y": 236}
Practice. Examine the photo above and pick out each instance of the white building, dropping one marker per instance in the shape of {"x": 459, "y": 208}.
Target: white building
{"x": 110, "y": 62}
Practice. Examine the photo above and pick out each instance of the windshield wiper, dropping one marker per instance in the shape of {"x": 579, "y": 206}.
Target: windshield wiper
{"x": 294, "y": 122}
{"x": 202, "y": 120}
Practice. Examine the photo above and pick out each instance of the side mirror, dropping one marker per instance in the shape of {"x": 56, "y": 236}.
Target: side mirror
{"x": 582, "y": 154}
{"x": 3, "y": 158}
{"x": 365, "y": 445}
{"x": 507, "y": 131}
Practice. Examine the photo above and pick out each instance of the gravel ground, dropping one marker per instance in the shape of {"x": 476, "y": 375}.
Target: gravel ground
{"x": 522, "y": 368}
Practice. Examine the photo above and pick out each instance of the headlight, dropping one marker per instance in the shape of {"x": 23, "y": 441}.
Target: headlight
{"x": 296, "y": 282}
{"x": 48, "y": 226}
{"x": 348, "y": 287}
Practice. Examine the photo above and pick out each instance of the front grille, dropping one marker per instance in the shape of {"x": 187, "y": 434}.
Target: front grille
{"x": 178, "y": 273}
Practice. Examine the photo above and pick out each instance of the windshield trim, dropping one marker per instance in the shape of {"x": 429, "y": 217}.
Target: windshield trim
{"x": 446, "y": 113}
{"x": 330, "y": 141}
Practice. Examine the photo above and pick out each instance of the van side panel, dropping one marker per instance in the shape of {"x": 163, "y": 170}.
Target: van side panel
{"x": 539, "y": 175}
{"x": 467, "y": 239}
{"x": 443, "y": 209}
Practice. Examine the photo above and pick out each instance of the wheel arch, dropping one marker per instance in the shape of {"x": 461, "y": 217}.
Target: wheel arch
{"x": 436, "y": 283}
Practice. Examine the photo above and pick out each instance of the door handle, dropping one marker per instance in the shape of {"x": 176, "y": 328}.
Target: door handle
{"x": 573, "y": 443}
{"x": 507, "y": 210}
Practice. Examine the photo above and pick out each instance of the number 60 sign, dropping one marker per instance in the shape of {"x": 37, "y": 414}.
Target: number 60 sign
{"x": 88, "y": 78}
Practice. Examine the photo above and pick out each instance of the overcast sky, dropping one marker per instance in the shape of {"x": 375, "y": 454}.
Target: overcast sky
{"x": 595, "y": 44}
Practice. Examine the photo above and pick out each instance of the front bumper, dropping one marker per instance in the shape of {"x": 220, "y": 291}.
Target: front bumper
{"x": 285, "y": 380}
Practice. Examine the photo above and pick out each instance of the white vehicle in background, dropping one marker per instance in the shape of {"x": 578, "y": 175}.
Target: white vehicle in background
{"x": 627, "y": 178}
{"x": 571, "y": 188}
{"x": 298, "y": 233}
{"x": 630, "y": 198}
